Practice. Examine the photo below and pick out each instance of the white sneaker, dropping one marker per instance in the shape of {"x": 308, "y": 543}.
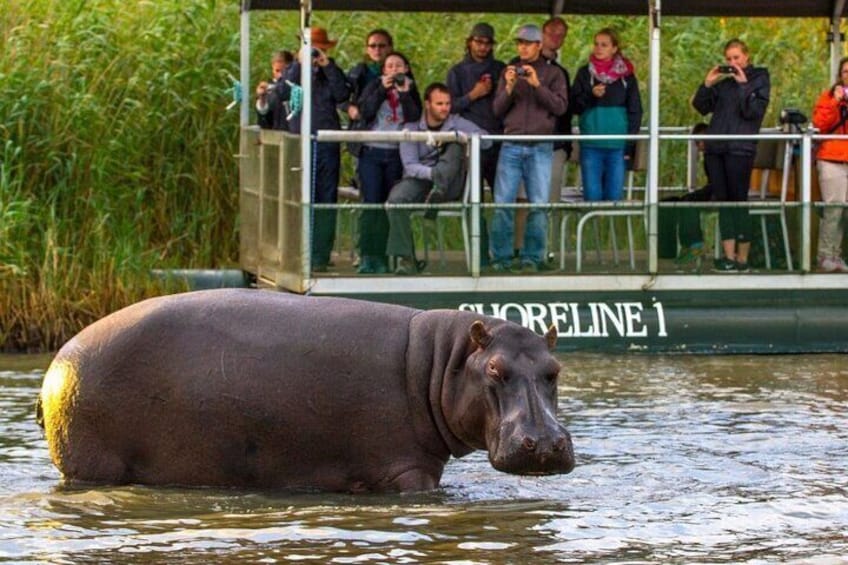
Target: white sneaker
{"x": 827, "y": 264}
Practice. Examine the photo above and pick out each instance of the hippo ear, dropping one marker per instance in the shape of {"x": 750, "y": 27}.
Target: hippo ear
{"x": 551, "y": 337}
{"x": 480, "y": 335}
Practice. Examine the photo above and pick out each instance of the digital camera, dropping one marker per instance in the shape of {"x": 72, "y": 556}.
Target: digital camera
{"x": 399, "y": 79}
{"x": 520, "y": 72}
{"x": 726, "y": 69}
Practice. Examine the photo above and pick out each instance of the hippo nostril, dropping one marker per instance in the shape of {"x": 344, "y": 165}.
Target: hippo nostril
{"x": 529, "y": 444}
{"x": 560, "y": 444}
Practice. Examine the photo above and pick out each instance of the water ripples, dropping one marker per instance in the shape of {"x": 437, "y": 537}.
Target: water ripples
{"x": 680, "y": 459}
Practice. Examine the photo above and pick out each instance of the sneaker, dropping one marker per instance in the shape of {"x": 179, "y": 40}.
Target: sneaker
{"x": 409, "y": 266}
{"x": 827, "y": 265}
{"x": 724, "y": 265}
{"x": 742, "y": 267}
{"x": 367, "y": 265}
{"x": 501, "y": 267}
{"x": 532, "y": 267}
{"x": 689, "y": 255}
{"x": 380, "y": 264}
{"x": 841, "y": 267}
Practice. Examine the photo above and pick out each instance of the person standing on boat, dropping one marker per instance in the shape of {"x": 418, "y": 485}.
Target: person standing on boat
{"x": 737, "y": 94}
{"x": 385, "y": 105}
{"x": 554, "y": 32}
{"x": 830, "y": 116}
{"x": 432, "y": 173}
{"x": 378, "y": 44}
{"x": 272, "y": 96}
{"x": 530, "y": 95}
{"x": 473, "y": 83}
{"x": 329, "y": 89}
{"x": 606, "y": 96}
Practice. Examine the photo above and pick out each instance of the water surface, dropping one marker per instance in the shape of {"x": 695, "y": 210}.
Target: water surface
{"x": 680, "y": 459}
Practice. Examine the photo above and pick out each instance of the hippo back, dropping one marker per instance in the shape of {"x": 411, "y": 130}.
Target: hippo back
{"x": 232, "y": 387}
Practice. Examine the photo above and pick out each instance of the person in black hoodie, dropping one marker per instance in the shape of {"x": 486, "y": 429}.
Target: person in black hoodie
{"x": 737, "y": 94}
{"x": 472, "y": 83}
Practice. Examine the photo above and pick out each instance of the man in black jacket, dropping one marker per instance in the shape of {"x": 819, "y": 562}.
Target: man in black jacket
{"x": 329, "y": 89}
{"x": 472, "y": 83}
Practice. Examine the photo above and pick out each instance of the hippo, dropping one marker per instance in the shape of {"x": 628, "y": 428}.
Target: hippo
{"x": 261, "y": 389}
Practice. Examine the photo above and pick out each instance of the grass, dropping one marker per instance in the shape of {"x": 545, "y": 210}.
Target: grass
{"x": 116, "y": 153}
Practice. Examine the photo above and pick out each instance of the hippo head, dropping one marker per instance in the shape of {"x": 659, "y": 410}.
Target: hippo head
{"x": 508, "y": 399}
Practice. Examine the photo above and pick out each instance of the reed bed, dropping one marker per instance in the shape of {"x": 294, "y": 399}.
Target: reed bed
{"x": 116, "y": 152}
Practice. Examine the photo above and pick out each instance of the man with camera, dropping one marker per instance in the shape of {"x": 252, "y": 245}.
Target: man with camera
{"x": 329, "y": 89}
{"x": 530, "y": 95}
{"x": 432, "y": 173}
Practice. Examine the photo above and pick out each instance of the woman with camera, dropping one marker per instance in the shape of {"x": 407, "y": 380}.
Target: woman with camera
{"x": 830, "y": 116}
{"x": 737, "y": 95}
{"x": 385, "y": 105}
{"x": 606, "y": 96}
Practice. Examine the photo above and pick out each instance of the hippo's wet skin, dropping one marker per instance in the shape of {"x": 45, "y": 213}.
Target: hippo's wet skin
{"x": 263, "y": 389}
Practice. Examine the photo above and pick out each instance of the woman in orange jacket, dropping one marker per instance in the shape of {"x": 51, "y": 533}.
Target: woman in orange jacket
{"x": 830, "y": 116}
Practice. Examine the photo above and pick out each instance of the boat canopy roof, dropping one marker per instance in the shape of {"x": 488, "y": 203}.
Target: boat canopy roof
{"x": 832, "y": 9}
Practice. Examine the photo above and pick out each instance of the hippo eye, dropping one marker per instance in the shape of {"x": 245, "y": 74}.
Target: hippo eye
{"x": 492, "y": 371}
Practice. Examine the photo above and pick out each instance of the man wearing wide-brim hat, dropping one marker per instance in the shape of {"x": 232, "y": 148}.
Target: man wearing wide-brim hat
{"x": 329, "y": 89}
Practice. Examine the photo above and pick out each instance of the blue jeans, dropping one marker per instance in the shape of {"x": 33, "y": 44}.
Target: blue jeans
{"x": 530, "y": 162}
{"x": 602, "y": 170}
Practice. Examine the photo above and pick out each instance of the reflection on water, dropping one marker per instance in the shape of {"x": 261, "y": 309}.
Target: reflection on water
{"x": 719, "y": 459}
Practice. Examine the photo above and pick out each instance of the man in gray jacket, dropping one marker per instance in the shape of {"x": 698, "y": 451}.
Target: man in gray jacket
{"x": 432, "y": 173}
{"x": 530, "y": 96}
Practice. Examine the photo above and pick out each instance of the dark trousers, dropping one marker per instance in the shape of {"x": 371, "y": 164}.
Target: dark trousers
{"x": 379, "y": 170}
{"x": 682, "y": 224}
{"x": 449, "y": 172}
{"x": 730, "y": 177}
{"x": 326, "y": 159}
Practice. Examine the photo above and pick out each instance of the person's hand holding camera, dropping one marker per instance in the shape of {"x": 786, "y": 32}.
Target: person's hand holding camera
{"x": 401, "y": 82}
{"x": 599, "y": 90}
{"x": 528, "y": 73}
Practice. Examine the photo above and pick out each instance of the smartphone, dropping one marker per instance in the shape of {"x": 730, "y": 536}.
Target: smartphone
{"x": 726, "y": 69}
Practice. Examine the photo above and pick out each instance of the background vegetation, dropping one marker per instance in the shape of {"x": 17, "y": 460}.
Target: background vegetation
{"x": 116, "y": 153}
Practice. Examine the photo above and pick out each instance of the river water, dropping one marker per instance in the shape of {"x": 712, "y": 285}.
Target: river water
{"x": 679, "y": 459}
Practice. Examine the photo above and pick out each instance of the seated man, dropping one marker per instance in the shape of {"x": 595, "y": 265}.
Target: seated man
{"x": 431, "y": 173}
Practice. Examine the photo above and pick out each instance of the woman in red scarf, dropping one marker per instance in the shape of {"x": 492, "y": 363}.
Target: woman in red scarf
{"x": 385, "y": 105}
{"x": 605, "y": 95}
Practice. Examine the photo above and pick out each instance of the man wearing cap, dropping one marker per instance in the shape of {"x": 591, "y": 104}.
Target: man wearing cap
{"x": 530, "y": 95}
{"x": 329, "y": 89}
{"x": 473, "y": 83}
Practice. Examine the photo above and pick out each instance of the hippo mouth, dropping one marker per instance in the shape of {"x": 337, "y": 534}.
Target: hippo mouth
{"x": 554, "y": 456}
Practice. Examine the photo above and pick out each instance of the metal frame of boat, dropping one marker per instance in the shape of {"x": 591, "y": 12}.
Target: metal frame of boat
{"x": 650, "y": 310}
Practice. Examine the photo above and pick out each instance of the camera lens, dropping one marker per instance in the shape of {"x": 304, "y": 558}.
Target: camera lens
{"x": 400, "y": 79}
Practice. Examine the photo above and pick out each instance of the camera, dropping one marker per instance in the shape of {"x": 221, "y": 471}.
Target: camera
{"x": 399, "y": 79}
{"x": 315, "y": 53}
{"x": 520, "y": 72}
{"x": 792, "y": 116}
{"x": 726, "y": 69}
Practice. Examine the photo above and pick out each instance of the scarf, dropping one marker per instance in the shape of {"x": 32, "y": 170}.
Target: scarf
{"x": 393, "y": 98}
{"x": 610, "y": 70}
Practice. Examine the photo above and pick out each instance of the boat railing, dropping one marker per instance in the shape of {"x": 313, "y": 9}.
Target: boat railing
{"x": 275, "y": 226}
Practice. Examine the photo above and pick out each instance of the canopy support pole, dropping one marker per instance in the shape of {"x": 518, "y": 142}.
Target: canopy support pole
{"x": 836, "y": 38}
{"x": 244, "y": 74}
{"x": 654, "y": 141}
{"x": 305, "y": 58}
